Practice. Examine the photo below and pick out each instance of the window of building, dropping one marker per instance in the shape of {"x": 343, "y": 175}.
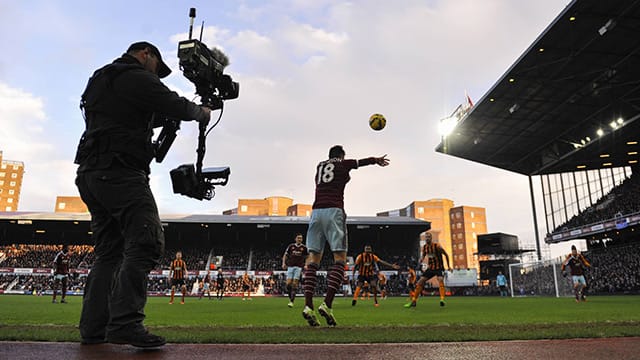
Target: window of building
{"x": 4, "y": 166}
{"x": 420, "y": 210}
{"x": 11, "y": 192}
{"x": 243, "y": 208}
{"x": 15, "y": 167}
{"x": 473, "y": 234}
{"x": 1, "y": 182}
{"x": 458, "y": 215}
{"x": 473, "y": 225}
{"x": 14, "y": 175}
{"x": 10, "y": 200}
{"x": 8, "y": 208}
{"x": 472, "y": 214}
{"x": 0, "y": 191}
{"x": 13, "y": 183}
{"x": 459, "y": 226}
{"x": 308, "y": 213}
{"x": 62, "y": 205}
{"x": 2, "y": 174}
{"x": 451, "y": 216}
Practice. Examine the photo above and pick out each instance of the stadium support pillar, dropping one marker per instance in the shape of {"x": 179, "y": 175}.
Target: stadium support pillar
{"x": 535, "y": 219}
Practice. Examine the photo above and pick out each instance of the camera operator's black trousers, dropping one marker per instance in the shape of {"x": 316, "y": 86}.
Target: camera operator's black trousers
{"x": 129, "y": 242}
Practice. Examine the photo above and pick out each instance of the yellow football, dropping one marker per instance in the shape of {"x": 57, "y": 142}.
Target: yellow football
{"x": 377, "y": 122}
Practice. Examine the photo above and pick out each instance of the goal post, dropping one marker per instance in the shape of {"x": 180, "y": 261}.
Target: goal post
{"x": 539, "y": 278}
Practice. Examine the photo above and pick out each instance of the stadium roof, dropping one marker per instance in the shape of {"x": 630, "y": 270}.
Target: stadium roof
{"x": 214, "y": 219}
{"x": 542, "y": 116}
{"x": 37, "y": 227}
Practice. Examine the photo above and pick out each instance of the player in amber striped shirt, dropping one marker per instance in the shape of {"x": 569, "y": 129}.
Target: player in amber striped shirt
{"x": 382, "y": 285}
{"x": 367, "y": 266}
{"x": 178, "y": 275}
{"x": 411, "y": 280}
{"x": 432, "y": 265}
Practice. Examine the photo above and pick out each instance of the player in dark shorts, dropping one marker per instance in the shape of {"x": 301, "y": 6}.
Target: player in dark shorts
{"x": 61, "y": 273}
{"x": 367, "y": 266}
{"x": 178, "y": 274}
{"x": 328, "y": 225}
{"x": 293, "y": 261}
{"x": 577, "y": 263}
{"x": 220, "y": 285}
{"x": 432, "y": 265}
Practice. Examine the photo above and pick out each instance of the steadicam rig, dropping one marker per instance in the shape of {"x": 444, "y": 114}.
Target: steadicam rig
{"x": 204, "y": 67}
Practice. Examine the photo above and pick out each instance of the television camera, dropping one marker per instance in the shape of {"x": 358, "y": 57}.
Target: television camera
{"x": 204, "y": 67}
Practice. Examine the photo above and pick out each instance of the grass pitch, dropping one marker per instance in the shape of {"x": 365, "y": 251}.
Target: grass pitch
{"x": 269, "y": 320}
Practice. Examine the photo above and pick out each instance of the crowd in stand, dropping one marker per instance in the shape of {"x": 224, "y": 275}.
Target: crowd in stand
{"x": 614, "y": 270}
{"x": 622, "y": 200}
{"x": 40, "y": 256}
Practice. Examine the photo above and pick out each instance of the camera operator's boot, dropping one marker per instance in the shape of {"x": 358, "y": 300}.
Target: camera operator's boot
{"x": 137, "y": 336}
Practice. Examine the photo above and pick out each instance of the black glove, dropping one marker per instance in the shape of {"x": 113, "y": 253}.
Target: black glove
{"x": 564, "y": 274}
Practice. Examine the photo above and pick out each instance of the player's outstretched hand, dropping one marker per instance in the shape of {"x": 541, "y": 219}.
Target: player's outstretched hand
{"x": 395, "y": 266}
{"x": 382, "y": 161}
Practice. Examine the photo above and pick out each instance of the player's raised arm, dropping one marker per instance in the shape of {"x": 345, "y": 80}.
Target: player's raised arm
{"x": 380, "y": 161}
{"x": 383, "y": 160}
{"x": 388, "y": 264}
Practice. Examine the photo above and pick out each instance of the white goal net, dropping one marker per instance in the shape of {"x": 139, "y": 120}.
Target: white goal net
{"x": 539, "y": 278}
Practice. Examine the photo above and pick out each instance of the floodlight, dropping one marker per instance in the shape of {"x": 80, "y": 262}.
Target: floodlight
{"x": 446, "y": 126}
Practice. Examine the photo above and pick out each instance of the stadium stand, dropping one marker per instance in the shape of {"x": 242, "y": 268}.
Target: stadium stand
{"x": 622, "y": 200}
{"x": 615, "y": 270}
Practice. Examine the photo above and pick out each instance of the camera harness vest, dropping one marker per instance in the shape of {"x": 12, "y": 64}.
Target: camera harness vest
{"x": 120, "y": 135}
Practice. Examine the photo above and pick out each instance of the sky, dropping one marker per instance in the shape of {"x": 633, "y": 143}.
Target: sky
{"x": 311, "y": 72}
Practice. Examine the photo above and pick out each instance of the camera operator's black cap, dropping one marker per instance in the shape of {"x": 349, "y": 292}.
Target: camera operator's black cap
{"x": 163, "y": 69}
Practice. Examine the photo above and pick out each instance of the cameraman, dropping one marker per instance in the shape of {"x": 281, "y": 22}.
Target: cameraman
{"x": 122, "y": 103}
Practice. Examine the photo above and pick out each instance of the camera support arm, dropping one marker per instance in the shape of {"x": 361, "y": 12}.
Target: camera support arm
{"x": 201, "y": 150}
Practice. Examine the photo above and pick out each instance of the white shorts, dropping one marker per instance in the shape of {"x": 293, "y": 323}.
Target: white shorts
{"x": 327, "y": 226}
{"x": 294, "y": 272}
{"x": 579, "y": 279}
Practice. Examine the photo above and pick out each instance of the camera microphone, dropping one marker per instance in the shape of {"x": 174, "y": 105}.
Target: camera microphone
{"x": 192, "y": 16}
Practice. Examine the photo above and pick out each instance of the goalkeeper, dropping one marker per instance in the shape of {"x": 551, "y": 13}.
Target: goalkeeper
{"x": 432, "y": 265}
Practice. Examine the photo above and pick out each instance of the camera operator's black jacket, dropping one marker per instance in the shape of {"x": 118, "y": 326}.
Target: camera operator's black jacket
{"x": 122, "y": 104}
